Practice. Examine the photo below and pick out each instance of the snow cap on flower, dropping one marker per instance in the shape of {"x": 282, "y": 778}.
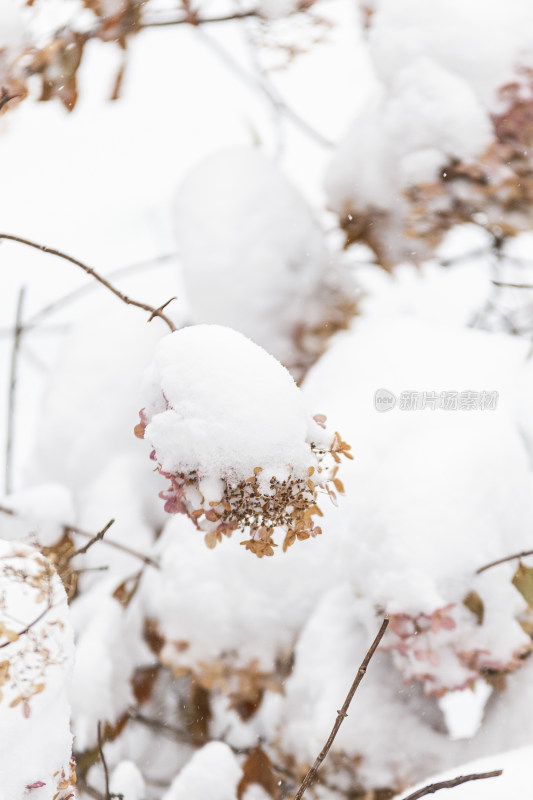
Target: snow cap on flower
{"x": 230, "y": 429}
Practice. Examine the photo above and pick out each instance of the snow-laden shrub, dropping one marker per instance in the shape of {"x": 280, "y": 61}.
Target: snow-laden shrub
{"x": 433, "y": 495}
{"x": 445, "y": 137}
{"x": 255, "y": 258}
{"x": 229, "y": 429}
{"x": 36, "y": 655}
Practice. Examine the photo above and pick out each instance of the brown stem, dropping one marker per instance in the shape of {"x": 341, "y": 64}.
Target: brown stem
{"x": 513, "y": 285}
{"x": 503, "y": 560}
{"x": 19, "y": 328}
{"x": 343, "y": 713}
{"x": 435, "y": 787}
{"x": 102, "y": 759}
{"x": 27, "y": 628}
{"x": 193, "y": 19}
{"x": 117, "y": 545}
{"x": 154, "y": 312}
{"x": 96, "y": 538}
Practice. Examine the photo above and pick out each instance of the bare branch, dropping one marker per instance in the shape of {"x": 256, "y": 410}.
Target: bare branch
{"x": 28, "y": 627}
{"x": 513, "y": 285}
{"x": 343, "y": 713}
{"x": 96, "y": 538}
{"x": 503, "y": 560}
{"x": 68, "y": 298}
{"x": 435, "y": 787}
{"x": 194, "y": 19}
{"x": 269, "y": 92}
{"x": 102, "y": 759}
{"x": 13, "y": 390}
{"x": 155, "y": 312}
{"x": 117, "y": 545}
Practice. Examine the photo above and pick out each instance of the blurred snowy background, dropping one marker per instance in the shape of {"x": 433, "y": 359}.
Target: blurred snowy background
{"x": 230, "y": 172}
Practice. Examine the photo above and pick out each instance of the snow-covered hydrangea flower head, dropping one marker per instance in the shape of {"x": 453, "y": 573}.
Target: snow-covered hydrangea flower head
{"x": 254, "y": 258}
{"x": 230, "y": 430}
{"x": 445, "y": 136}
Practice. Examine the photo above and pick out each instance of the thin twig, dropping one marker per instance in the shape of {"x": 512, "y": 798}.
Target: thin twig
{"x": 435, "y": 787}
{"x": 343, "y": 713}
{"x": 27, "y": 628}
{"x": 270, "y": 93}
{"x": 161, "y": 727}
{"x": 120, "y": 272}
{"x": 193, "y": 19}
{"x": 96, "y": 538}
{"x": 88, "y": 789}
{"x": 91, "y": 569}
{"x": 117, "y": 545}
{"x": 13, "y": 390}
{"x": 102, "y": 759}
{"x": 513, "y": 285}
{"x": 155, "y": 312}
{"x": 503, "y": 560}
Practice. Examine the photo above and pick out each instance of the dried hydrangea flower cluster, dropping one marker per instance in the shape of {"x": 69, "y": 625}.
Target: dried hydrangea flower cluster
{"x": 493, "y": 188}
{"x": 449, "y": 649}
{"x": 245, "y": 457}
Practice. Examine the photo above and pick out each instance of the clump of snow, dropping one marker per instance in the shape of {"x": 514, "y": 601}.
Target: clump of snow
{"x": 329, "y": 650}
{"x": 36, "y": 654}
{"x": 514, "y": 781}
{"x": 109, "y": 645}
{"x": 91, "y": 394}
{"x": 489, "y": 39}
{"x": 197, "y": 600}
{"x": 255, "y": 259}
{"x": 230, "y": 429}
{"x": 444, "y": 135}
{"x": 126, "y": 780}
{"x": 213, "y": 773}
{"x": 40, "y": 513}
{"x": 474, "y": 498}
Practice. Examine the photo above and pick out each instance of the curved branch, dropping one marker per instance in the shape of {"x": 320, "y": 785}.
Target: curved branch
{"x": 343, "y": 713}
{"x": 503, "y": 560}
{"x": 435, "y": 787}
{"x": 154, "y": 312}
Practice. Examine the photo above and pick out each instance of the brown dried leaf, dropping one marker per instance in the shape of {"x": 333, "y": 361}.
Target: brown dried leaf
{"x": 258, "y": 769}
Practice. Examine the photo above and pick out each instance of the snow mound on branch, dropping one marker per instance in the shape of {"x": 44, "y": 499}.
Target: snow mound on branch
{"x": 109, "y": 646}
{"x": 126, "y": 780}
{"x": 427, "y": 485}
{"x": 514, "y": 782}
{"x": 230, "y": 431}
{"x": 35, "y": 663}
{"x": 406, "y": 134}
{"x": 489, "y": 39}
{"x": 41, "y": 512}
{"x": 329, "y": 650}
{"x": 198, "y": 600}
{"x": 220, "y": 405}
{"x": 92, "y": 396}
{"x": 213, "y": 773}
{"x": 255, "y": 259}
{"x": 439, "y": 141}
